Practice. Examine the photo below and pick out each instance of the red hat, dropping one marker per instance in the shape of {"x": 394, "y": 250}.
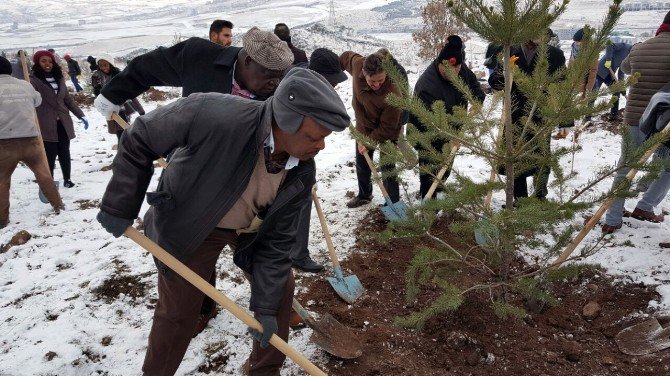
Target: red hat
{"x": 40, "y": 53}
{"x": 66, "y": 57}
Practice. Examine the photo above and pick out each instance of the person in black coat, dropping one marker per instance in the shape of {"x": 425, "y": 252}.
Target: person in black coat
{"x": 200, "y": 66}
{"x": 434, "y": 85}
{"x": 526, "y": 56}
{"x": 92, "y": 63}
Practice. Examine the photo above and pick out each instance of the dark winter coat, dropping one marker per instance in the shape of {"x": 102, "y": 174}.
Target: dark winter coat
{"x": 17, "y": 69}
{"x": 375, "y": 118}
{"x": 55, "y": 106}
{"x": 491, "y": 56}
{"x": 196, "y": 65}
{"x": 616, "y": 53}
{"x": 92, "y": 64}
{"x": 556, "y": 60}
{"x": 497, "y": 80}
{"x": 214, "y": 140}
{"x": 73, "y": 68}
{"x": 651, "y": 59}
{"x": 432, "y": 87}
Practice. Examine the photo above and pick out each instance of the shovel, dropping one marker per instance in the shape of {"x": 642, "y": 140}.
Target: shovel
{"x": 26, "y": 76}
{"x": 349, "y": 288}
{"x": 333, "y": 337}
{"x": 123, "y": 124}
{"x": 440, "y": 174}
{"x": 644, "y": 338}
{"x": 603, "y": 208}
{"x": 392, "y": 211}
{"x": 216, "y": 295}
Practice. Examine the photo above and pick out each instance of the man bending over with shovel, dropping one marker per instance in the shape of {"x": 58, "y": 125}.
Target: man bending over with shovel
{"x": 240, "y": 172}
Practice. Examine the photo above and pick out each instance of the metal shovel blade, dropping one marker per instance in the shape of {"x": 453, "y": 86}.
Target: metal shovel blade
{"x": 644, "y": 338}
{"x": 486, "y": 234}
{"x": 395, "y": 211}
{"x": 335, "y": 338}
{"x": 44, "y": 198}
{"x": 349, "y": 288}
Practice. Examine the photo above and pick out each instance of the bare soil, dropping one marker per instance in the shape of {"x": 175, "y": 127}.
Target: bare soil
{"x": 559, "y": 340}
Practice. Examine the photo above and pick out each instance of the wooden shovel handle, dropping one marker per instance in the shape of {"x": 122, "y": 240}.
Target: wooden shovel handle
{"x": 123, "y": 124}
{"x": 603, "y": 208}
{"x": 440, "y": 175}
{"x": 324, "y": 227}
{"x": 375, "y": 174}
{"x": 219, "y": 297}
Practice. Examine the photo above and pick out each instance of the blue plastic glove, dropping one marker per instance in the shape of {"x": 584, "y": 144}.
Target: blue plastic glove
{"x": 85, "y": 122}
{"x": 269, "y": 324}
{"x": 114, "y": 225}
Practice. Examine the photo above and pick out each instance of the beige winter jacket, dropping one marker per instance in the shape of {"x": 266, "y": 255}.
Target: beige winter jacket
{"x": 652, "y": 60}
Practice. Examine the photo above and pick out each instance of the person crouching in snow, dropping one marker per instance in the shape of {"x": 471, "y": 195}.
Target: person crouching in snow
{"x": 101, "y": 77}
{"x": 240, "y": 172}
{"x": 18, "y": 139}
{"x": 54, "y": 112}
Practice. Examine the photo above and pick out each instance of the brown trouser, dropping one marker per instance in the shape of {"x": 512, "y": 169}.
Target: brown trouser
{"x": 179, "y": 305}
{"x": 29, "y": 151}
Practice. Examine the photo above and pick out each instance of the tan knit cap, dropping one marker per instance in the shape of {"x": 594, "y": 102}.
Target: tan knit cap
{"x": 267, "y": 49}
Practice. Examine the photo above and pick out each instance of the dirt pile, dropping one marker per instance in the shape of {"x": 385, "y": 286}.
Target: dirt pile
{"x": 559, "y": 340}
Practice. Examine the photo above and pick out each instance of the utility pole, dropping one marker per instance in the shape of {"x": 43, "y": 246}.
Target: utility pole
{"x": 331, "y": 17}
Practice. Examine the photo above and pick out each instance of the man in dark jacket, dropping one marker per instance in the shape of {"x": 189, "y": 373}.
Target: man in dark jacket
{"x": 434, "y": 85}
{"x": 375, "y": 119}
{"x": 73, "y": 70}
{"x": 299, "y": 56}
{"x": 526, "y": 59}
{"x": 199, "y": 66}
{"x": 609, "y": 65}
{"x": 240, "y": 172}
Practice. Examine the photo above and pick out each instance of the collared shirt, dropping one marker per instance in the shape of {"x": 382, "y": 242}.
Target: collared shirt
{"x": 270, "y": 143}
{"x": 237, "y": 89}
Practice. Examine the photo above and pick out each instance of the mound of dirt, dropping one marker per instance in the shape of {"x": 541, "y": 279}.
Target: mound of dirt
{"x": 19, "y": 238}
{"x": 155, "y": 95}
{"x": 129, "y": 285}
{"x": 83, "y": 99}
{"x": 473, "y": 340}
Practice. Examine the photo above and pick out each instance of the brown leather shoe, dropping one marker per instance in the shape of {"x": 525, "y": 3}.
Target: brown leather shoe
{"x": 608, "y": 229}
{"x": 203, "y": 319}
{"x": 643, "y": 215}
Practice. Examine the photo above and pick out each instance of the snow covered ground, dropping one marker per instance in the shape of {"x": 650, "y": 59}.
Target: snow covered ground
{"x": 52, "y": 319}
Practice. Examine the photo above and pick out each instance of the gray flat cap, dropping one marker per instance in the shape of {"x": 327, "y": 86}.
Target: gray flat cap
{"x": 302, "y": 93}
{"x": 267, "y": 49}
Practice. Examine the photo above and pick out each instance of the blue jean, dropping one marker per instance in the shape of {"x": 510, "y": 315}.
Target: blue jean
{"x": 75, "y": 82}
{"x": 656, "y": 192}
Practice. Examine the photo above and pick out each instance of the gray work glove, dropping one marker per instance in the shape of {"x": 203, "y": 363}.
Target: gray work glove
{"x": 114, "y": 225}
{"x": 269, "y": 324}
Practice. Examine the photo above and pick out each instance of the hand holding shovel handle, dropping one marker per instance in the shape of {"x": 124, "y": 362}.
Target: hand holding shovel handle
{"x": 596, "y": 217}
{"x": 440, "y": 174}
{"x": 219, "y": 297}
{"x": 123, "y": 124}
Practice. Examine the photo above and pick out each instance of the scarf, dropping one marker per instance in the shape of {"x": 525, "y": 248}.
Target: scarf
{"x": 665, "y": 27}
